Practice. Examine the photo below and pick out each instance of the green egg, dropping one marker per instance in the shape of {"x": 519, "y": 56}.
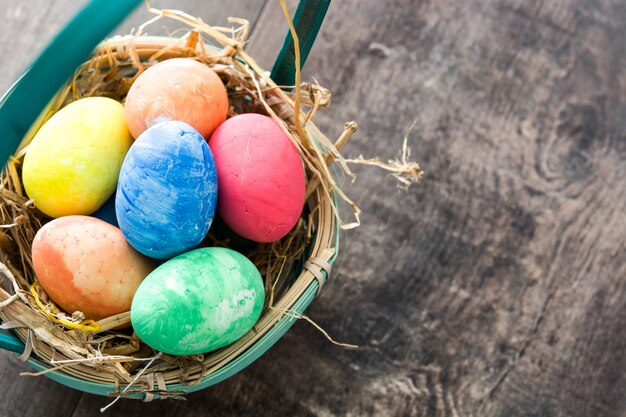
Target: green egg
{"x": 197, "y": 302}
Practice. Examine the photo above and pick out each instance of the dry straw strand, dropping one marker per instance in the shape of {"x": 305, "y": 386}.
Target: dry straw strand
{"x": 296, "y": 315}
{"x": 405, "y": 171}
{"x": 85, "y": 325}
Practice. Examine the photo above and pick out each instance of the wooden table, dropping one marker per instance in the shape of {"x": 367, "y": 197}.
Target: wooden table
{"x": 496, "y": 287}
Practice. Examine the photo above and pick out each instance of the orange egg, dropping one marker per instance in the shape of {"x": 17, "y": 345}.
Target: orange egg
{"x": 179, "y": 89}
{"x": 85, "y": 264}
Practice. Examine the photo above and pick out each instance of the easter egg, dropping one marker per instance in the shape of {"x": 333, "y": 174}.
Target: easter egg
{"x": 167, "y": 191}
{"x": 177, "y": 89}
{"x": 199, "y": 301}
{"x": 85, "y": 264}
{"x": 262, "y": 182}
{"x": 73, "y": 162}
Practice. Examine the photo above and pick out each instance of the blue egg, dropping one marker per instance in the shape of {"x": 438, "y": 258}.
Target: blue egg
{"x": 167, "y": 190}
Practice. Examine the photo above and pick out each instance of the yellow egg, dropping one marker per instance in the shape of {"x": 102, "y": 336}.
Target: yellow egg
{"x": 72, "y": 164}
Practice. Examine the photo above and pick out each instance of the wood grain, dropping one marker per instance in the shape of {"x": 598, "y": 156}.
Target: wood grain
{"x": 268, "y": 38}
{"x": 26, "y": 27}
{"x": 494, "y": 288}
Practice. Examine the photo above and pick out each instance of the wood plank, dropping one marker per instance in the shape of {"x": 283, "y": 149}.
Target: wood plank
{"x": 213, "y": 12}
{"x": 31, "y": 396}
{"x": 26, "y": 26}
{"x": 271, "y": 29}
{"x": 496, "y": 287}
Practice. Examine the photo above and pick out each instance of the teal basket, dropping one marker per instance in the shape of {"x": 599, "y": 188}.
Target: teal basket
{"x": 25, "y": 100}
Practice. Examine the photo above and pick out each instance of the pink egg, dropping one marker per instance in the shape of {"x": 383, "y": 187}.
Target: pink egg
{"x": 260, "y": 177}
{"x": 85, "y": 264}
{"x": 177, "y": 89}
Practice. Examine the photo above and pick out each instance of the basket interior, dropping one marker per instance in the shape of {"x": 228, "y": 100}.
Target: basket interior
{"x": 107, "y": 362}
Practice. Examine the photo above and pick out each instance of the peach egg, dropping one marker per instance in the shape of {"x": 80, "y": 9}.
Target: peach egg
{"x": 177, "y": 89}
{"x": 85, "y": 264}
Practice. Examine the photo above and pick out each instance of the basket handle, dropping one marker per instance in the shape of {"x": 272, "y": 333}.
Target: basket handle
{"x": 307, "y": 21}
{"x": 10, "y": 342}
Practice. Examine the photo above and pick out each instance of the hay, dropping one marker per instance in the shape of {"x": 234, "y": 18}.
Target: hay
{"x": 117, "y": 357}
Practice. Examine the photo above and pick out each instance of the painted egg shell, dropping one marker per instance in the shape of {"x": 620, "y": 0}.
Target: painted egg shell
{"x": 197, "y": 302}
{"x": 167, "y": 191}
{"x": 85, "y": 264}
{"x": 72, "y": 164}
{"x": 262, "y": 182}
{"x": 177, "y": 89}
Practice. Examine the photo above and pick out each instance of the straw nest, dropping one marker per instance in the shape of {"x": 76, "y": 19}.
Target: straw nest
{"x": 116, "y": 356}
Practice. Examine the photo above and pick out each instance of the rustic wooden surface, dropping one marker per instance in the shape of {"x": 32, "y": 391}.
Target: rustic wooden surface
{"x": 494, "y": 288}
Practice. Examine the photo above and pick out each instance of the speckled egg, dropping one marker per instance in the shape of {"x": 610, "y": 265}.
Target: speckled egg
{"x": 198, "y": 302}
{"x": 73, "y": 162}
{"x": 177, "y": 89}
{"x": 85, "y": 264}
{"x": 262, "y": 182}
{"x": 167, "y": 191}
